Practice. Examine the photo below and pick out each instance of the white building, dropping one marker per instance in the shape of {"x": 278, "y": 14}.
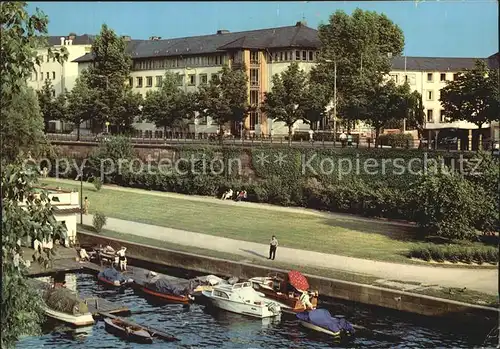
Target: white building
{"x": 66, "y": 207}
{"x": 62, "y": 76}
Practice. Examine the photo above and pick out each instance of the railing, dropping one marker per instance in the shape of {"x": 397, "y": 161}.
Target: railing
{"x": 212, "y": 139}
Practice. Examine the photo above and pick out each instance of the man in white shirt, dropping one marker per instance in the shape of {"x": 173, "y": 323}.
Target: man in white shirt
{"x": 273, "y": 245}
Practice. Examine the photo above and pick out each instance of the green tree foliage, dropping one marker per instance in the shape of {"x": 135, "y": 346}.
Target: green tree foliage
{"x": 360, "y": 46}
{"x": 168, "y": 106}
{"x": 21, "y": 129}
{"x": 21, "y": 308}
{"x": 81, "y": 104}
{"x": 416, "y": 113}
{"x": 129, "y": 110}
{"x": 316, "y": 102}
{"x": 108, "y": 73}
{"x": 52, "y": 108}
{"x": 224, "y": 99}
{"x": 473, "y": 96}
{"x": 112, "y": 153}
{"x": 444, "y": 204}
{"x": 288, "y": 101}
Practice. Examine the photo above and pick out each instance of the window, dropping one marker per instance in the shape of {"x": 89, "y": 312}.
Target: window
{"x": 442, "y": 117}
{"x": 139, "y": 82}
{"x": 430, "y": 95}
{"x": 276, "y": 57}
{"x": 394, "y": 77}
{"x": 203, "y": 79}
{"x": 180, "y": 79}
{"x": 455, "y": 76}
{"x": 254, "y": 77}
{"x": 158, "y": 134}
{"x": 158, "y": 80}
{"x": 254, "y": 120}
{"x": 297, "y": 55}
{"x": 214, "y": 76}
{"x": 131, "y": 82}
{"x": 47, "y": 75}
{"x": 254, "y": 57}
{"x": 430, "y": 116}
{"x": 53, "y": 93}
{"x": 192, "y": 80}
{"x": 53, "y": 75}
{"x": 286, "y": 55}
{"x": 282, "y": 56}
{"x": 429, "y": 77}
{"x": 149, "y": 81}
{"x": 304, "y": 55}
{"x": 55, "y": 199}
{"x": 311, "y": 56}
{"x": 254, "y": 97}
{"x": 442, "y": 77}
{"x": 41, "y": 75}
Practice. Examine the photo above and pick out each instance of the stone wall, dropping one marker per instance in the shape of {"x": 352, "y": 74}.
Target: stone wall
{"x": 366, "y": 294}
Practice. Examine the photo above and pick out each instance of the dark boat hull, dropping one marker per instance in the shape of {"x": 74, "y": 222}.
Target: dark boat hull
{"x": 122, "y": 332}
{"x": 167, "y": 297}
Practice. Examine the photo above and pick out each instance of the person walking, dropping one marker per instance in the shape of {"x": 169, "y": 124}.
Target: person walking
{"x": 272, "y": 247}
{"x": 343, "y": 139}
{"x": 86, "y": 205}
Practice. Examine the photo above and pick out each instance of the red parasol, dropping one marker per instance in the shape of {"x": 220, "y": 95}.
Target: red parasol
{"x": 297, "y": 280}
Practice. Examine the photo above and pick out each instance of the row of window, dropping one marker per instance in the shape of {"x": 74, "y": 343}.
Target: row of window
{"x": 442, "y": 117}
{"x": 411, "y": 78}
{"x": 192, "y": 80}
{"x": 294, "y": 55}
{"x": 177, "y": 62}
{"x": 34, "y": 76}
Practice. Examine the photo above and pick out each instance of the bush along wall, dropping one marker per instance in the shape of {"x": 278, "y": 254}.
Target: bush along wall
{"x": 369, "y": 182}
{"x": 455, "y": 254}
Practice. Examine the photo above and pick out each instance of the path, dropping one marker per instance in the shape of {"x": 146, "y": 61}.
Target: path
{"x": 299, "y": 210}
{"x": 482, "y": 280}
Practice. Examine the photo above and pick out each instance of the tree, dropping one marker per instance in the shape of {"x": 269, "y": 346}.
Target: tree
{"x": 225, "y": 99}
{"x": 108, "y": 73}
{"x": 287, "y": 100}
{"x": 473, "y": 96}
{"x": 169, "y": 105}
{"x": 386, "y": 104}
{"x": 360, "y": 47}
{"x": 416, "y": 113}
{"x": 129, "y": 110}
{"x": 317, "y": 99}
{"x": 52, "y": 108}
{"x": 81, "y": 102}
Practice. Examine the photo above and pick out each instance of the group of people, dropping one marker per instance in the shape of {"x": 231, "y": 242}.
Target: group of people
{"x": 228, "y": 195}
{"x": 346, "y": 139}
{"x": 120, "y": 259}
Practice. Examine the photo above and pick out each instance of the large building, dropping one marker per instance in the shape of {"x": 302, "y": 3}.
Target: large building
{"x": 62, "y": 76}
{"x": 266, "y": 52}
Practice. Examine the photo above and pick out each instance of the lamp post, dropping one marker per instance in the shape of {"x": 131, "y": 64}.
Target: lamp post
{"x": 81, "y": 197}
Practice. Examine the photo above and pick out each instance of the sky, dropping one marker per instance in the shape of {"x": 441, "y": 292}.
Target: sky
{"x": 439, "y": 28}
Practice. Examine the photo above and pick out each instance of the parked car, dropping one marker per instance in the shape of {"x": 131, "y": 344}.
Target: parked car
{"x": 448, "y": 140}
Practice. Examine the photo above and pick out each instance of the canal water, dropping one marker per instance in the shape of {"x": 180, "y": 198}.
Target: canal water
{"x": 199, "y": 327}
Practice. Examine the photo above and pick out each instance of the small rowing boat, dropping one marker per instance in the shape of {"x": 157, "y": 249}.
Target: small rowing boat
{"x": 127, "y": 331}
{"x": 112, "y": 277}
{"x": 178, "y": 292}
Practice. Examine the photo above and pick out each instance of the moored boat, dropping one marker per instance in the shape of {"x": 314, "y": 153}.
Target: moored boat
{"x": 322, "y": 321}
{"x": 127, "y": 331}
{"x": 291, "y": 291}
{"x": 63, "y": 305}
{"x": 241, "y": 298}
{"x": 112, "y": 277}
{"x": 169, "y": 290}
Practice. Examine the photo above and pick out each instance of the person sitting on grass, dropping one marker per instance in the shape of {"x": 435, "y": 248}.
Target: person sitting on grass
{"x": 228, "y": 194}
{"x": 242, "y": 195}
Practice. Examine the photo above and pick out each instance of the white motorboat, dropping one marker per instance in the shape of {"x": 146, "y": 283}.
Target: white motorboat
{"x": 241, "y": 298}
{"x": 75, "y": 320}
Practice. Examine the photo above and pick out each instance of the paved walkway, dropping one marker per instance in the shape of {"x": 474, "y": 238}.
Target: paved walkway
{"x": 483, "y": 280}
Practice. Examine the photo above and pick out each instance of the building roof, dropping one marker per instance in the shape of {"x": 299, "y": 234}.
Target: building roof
{"x": 84, "y": 39}
{"x": 298, "y": 35}
{"x": 494, "y": 60}
{"x": 442, "y": 64}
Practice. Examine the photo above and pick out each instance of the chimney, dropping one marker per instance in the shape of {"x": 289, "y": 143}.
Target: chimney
{"x": 72, "y": 36}
{"x": 126, "y": 37}
{"x": 62, "y": 40}
{"x": 301, "y": 23}
{"x": 222, "y": 31}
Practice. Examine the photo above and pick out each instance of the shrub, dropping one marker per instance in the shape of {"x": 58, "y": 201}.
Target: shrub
{"x": 426, "y": 255}
{"x": 492, "y": 255}
{"x": 97, "y": 183}
{"x": 436, "y": 253}
{"x": 99, "y": 221}
{"x": 455, "y": 253}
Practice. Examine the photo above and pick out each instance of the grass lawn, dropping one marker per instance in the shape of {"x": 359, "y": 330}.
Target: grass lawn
{"x": 343, "y": 236}
{"x": 467, "y": 296}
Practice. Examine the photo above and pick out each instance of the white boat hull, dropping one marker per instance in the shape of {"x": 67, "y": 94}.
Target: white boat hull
{"x": 80, "y": 320}
{"x": 319, "y": 329}
{"x": 258, "y": 311}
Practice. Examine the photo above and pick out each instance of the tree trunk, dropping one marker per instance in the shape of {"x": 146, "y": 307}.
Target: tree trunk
{"x": 221, "y": 135}
{"x": 377, "y": 134}
{"x": 78, "y": 131}
{"x": 165, "y": 132}
{"x": 290, "y": 135}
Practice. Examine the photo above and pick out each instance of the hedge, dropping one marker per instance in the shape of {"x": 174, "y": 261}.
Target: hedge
{"x": 396, "y": 140}
{"x": 456, "y": 253}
